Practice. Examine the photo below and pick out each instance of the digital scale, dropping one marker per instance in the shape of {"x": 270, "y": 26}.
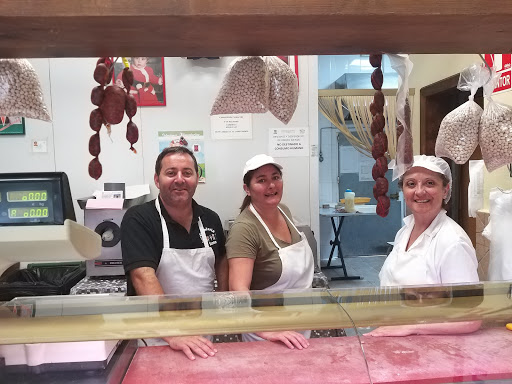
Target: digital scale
{"x": 28, "y": 199}
{"x": 38, "y": 224}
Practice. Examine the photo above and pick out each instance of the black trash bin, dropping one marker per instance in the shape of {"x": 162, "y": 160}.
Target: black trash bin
{"x": 41, "y": 280}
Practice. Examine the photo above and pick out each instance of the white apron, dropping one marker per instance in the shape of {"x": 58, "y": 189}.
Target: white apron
{"x": 185, "y": 271}
{"x": 297, "y": 267}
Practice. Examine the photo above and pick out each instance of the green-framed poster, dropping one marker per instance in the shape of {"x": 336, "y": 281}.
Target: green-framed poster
{"x": 12, "y": 125}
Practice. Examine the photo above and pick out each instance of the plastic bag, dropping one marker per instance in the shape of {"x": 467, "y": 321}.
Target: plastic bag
{"x": 245, "y": 88}
{"x": 495, "y": 130}
{"x": 500, "y": 261}
{"x": 458, "y": 134}
{"x": 404, "y": 151}
{"x": 20, "y": 91}
{"x": 284, "y": 89}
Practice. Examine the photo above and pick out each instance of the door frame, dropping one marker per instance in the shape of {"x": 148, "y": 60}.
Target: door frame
{"x": 429, "y": 130}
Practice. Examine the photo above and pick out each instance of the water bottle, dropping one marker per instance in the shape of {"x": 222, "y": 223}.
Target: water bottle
{"x": 349, "y": 201}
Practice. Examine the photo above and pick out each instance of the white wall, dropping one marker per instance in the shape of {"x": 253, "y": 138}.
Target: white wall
{"x": 191, "y": 87}
{"x": 431, "y": 68}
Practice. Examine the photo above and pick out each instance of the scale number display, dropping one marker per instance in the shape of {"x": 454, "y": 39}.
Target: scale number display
{"x": 19, "y": 196}
{"x": 28, "y": 212}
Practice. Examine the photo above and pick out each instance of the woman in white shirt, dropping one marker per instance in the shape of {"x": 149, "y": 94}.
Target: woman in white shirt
{"x": 430, "y": 248}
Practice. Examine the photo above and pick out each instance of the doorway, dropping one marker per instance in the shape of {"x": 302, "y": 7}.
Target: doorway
{"x": 436, "y": 101}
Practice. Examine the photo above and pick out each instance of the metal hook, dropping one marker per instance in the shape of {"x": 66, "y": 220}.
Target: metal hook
{"x": 488, "y": 67}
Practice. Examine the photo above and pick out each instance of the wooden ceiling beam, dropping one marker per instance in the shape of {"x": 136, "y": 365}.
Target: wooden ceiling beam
{"x": 91, "y": 28}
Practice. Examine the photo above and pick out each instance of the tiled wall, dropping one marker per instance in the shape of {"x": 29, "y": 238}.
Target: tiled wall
{"x": 482, "y": 244}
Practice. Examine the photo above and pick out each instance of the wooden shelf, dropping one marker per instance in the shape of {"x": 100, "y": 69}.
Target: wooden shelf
{"x": 89, "y": 28}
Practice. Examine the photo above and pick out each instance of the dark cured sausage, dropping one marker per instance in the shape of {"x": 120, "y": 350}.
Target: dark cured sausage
{"x": 96, "y": 120}
{"x": 127, "y": 78}
{"x": 97, "y": 95}
{"x": 132, "y": 134}
{"x": 101, "y": 74}
{"x": 380, "y": 168}
{"x": 112, "y": 103}
{"x": 380, "y": 139}
{"x": 95, "y": 168}
{"x": 377, "y": 79}
{"x": 378, "y": 123}
{"x": 94, "y": 145}
{"x": 382, "y": 203}
{"x": 131, "y": 106}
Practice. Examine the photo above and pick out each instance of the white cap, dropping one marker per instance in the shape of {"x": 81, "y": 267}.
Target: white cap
{"x": 259, "y": 161}
{"x": 435, "y": 164}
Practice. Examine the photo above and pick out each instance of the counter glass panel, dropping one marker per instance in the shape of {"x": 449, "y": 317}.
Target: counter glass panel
{"x": 480, "y": 355}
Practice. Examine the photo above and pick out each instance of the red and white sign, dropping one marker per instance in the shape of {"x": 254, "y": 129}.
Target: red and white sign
{"x": 503, "y": 65}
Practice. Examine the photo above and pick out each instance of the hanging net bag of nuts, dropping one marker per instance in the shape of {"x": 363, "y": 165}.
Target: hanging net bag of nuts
{"x": 245, "y": 88}
{"x": 495, "y": 130}
{"x": 458, "y": 134}
{"x": 20, "y": 91}
{"x": 284, "y": 89}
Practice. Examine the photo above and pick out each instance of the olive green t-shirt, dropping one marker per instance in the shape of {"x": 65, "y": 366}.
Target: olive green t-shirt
{"x": 248, "y": 238}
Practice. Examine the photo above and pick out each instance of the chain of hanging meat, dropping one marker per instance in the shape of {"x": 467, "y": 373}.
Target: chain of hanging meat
{"x": 380, "y": 139}
{"x": 112, "y": 102}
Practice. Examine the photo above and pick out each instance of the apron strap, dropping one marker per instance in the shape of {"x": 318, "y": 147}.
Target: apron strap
{"x": 165, "y": 231}
{"x": 253, "y": 210}
{"x": 291, "y": 222}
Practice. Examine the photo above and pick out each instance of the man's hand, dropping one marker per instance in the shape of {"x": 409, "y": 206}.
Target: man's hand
{"x": 290, "y": 338}
{"x": 191, "y": 345}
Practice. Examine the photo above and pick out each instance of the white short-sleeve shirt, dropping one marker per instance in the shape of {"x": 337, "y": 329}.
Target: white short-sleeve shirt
{"x": 442, "y": 254}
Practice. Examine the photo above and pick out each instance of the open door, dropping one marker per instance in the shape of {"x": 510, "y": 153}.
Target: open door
{"x": 436, "y": 101}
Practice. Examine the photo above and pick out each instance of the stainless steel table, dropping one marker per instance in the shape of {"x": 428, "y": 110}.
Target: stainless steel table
{"x": 361, "y": 210}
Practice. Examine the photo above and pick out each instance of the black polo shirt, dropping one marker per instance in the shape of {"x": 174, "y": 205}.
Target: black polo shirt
{"x": 142, "y": 238}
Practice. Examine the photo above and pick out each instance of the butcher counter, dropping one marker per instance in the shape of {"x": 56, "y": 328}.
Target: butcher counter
{"x": 483, "y": 355}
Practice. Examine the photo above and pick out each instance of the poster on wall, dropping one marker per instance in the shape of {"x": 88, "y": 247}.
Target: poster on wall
{"x": 365, "y": 167}
{"x": 193, "y": 140}
{"x": 288, "y": 142}
{"x": 148, "y": 86}
{"x": 12, "y": 125}
{"x": 502, "y": 64}
{"x": 231, "y": 127}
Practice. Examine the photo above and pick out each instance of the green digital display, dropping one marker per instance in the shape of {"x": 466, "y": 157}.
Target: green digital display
{"x": 17, "y": 196}
{"x": 27, "y": 212}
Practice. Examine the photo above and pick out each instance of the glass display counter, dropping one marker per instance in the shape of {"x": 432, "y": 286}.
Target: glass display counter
{"x": 483, "y": 355}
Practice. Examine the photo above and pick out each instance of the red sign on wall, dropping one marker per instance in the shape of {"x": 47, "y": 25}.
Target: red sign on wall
{"x": 503, "y": 65}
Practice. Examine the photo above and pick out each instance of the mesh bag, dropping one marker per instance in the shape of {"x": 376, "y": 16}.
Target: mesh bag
{"x": 284, "y": 89}
{"x": 20, "y": 91}
{"x": 458, "y": 134}
{"x": 245, "y": 88}
{"x": 495, "y": 130}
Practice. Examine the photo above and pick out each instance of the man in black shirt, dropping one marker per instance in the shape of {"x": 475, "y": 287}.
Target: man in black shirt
{"x": 172, "y": 245}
